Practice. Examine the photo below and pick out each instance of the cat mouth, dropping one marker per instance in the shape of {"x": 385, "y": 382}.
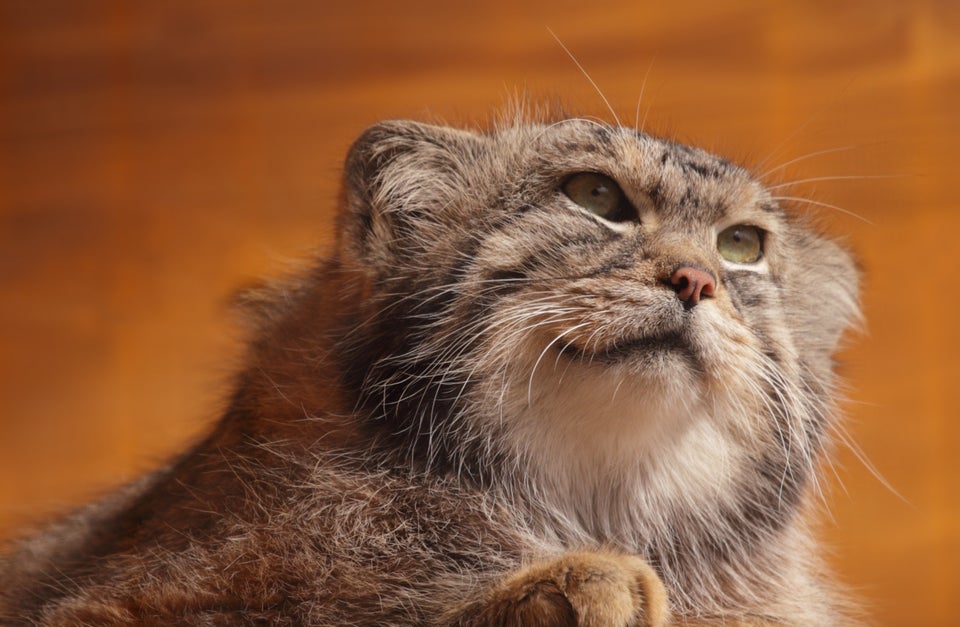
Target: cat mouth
{"x": 669, "y": 342}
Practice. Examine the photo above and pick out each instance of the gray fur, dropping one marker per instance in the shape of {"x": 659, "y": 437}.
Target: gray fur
{"x": 483, "y": 375}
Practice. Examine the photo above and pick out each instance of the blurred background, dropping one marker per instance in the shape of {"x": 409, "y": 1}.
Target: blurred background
{"x": 154, "y": 157}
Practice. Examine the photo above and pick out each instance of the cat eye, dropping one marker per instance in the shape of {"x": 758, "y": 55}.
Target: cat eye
{"x": 740, "y": 243}
{"x": 600, "y": 195}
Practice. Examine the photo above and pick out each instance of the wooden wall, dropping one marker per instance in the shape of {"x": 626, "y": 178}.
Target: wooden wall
{"x": 156, "y": 156}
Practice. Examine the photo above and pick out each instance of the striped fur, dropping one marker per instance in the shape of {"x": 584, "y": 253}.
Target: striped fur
{"x": 489, "y": 406}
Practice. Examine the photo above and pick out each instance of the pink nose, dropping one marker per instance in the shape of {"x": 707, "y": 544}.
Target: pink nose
{"x": 692, "y": 283}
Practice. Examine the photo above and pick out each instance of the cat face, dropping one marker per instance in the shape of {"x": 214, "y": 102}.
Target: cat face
{"x": 530, "y": 290}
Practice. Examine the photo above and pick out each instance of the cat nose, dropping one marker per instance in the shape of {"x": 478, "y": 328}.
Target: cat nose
{"x": 692, "y": 283}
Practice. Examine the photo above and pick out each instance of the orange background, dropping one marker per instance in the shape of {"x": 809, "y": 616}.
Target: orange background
{"x": 156, "y": 156}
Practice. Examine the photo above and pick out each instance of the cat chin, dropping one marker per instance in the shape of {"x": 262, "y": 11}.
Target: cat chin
{"x": 633, "y": 401}
{"x": 602, "y": 443}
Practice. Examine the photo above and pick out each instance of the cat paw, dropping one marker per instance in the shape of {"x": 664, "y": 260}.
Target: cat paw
{"x": 588, "y": 589}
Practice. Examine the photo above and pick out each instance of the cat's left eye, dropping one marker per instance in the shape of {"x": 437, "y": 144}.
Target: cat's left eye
{"x": 600, "y": 195}
{"x": 741, "y": 243}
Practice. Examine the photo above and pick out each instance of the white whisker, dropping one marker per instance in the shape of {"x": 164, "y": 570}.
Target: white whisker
{"x": 826, "y": 205}
{"x": 587, "y": 75}
{"x": 852, "y": 177}
{"x": 643, "y": 86}
{"x": 809, "y": 155}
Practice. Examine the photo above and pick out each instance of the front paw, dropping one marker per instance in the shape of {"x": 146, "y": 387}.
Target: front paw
{"x": 589, "y": 589}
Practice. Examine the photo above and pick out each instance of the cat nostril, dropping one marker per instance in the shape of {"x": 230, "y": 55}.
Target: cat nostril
{"x": 692, "y": 283}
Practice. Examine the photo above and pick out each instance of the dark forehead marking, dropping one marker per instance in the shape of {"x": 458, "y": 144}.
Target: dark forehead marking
{"x": 582, "y": 145}
{"x": 770, "y": 207}
{"x": 695, "y": 161}
{"x": 682, "y": 152}
{"x": 702, "y": 169}
{"x": 602, "y": 133}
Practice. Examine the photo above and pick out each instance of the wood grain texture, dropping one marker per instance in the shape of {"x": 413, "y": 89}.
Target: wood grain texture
{"x": 155, "y": 157}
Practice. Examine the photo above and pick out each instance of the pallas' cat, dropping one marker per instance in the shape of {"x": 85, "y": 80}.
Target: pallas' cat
{"x": 554, "y": 373}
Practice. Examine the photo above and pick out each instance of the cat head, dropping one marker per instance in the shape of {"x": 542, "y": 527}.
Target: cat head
{"x": 576, "y": 294}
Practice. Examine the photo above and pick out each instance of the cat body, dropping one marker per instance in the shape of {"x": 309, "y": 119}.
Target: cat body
{"x": 554, "y": 373}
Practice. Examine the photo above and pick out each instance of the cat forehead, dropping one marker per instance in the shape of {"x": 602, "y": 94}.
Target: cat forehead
{"x": 677, "y": 174}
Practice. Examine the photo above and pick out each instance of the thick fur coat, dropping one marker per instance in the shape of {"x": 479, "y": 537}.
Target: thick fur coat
{"x": 495, "y": 404}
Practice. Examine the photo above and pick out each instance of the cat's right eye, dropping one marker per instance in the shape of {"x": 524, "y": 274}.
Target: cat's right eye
{"x": 600, "y": 195}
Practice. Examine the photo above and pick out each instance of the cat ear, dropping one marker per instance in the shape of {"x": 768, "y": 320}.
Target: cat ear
{"x": 824, "y": 294}
{"x": 399, "y": 175}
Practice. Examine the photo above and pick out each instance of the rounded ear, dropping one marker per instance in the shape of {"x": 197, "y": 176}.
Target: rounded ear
{"x": 397, "y": 175}
{"x": 824, "y": 296}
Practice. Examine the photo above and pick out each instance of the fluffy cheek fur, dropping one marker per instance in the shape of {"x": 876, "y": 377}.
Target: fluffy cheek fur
{"x": 675, "y": 427}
